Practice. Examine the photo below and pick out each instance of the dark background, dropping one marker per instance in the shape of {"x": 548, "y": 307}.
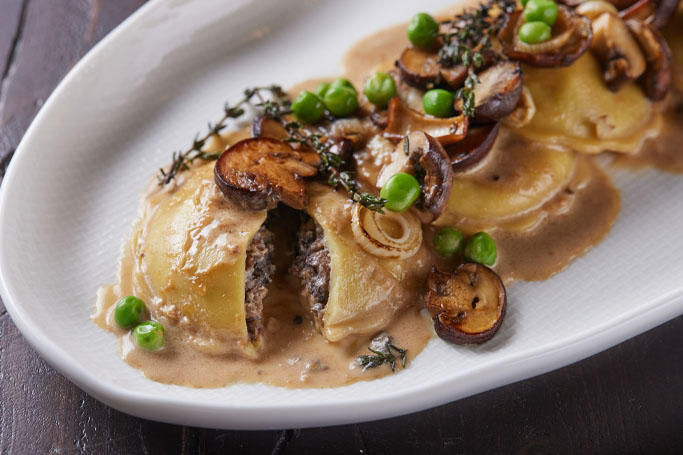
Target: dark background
{"x": 628, "y": 399}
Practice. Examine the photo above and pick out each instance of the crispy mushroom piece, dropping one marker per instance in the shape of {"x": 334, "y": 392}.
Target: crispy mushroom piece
{"x": 497, "y": 93}
{"x": 467, "y": 306}
{"x": 657, "y": 13}
{"x": 257, "y": 173}
{"x": 618, "y": 52}
{"x": 421, "y": 154}
{"x": 421, "y": 68}
{"x": 268, "y": 127}
{"x": 594, "y": 8}
{"x": 656, "y": 80}
{"x": 571, "y": 37}
{"x": 401, "y": 120}
{"x": 474, "y": 147}
{"x": 271, "y": 128}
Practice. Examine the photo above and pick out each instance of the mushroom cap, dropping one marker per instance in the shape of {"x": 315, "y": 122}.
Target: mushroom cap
{"x": 498, "y": 91}
{"x": 467, "y": 306}
{"x": 657, "y": 78}
{"x": 401, "y": 120}
{"x": 617, "y": 50}
{"x": 257, "y": 173}
{"x": 571, "y": 37}
{"x": 474, "y": 147}
{"x": 420, "y": 153}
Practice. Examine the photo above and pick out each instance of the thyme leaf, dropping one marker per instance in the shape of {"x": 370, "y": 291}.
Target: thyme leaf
{"x": 467, "y": 38}
{"x": 383, "y": 355}
{"x": 183, "y": 159}
{"x": 275, "y": 106}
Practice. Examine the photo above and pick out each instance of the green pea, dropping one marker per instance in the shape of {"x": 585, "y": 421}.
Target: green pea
{"x": 400, "y": 192}
{"x": 308, "y": 107}
{"x": 481, "y": 248}
{"x": 422, "y": 30}
{"x": 321, "y": 89}
{"x": 439, "y": 103}
{"x": 149, "y": 335}
{"x": 541, "y": 10}
{"x": 448, "y": 241}
{"x": 379, "y": 89}
{"x": 128, "y": 310}
{"x": 343, "y": 82}
{"x": 534, "y": 32}
{"x": 341, "y": 101}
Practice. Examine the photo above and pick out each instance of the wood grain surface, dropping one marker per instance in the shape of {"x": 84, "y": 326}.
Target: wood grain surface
{"x": 628, "y": 399}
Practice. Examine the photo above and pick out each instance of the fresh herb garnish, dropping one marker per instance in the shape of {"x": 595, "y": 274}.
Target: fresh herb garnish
{"x": 383, "y": 355}
{"x": 182, "y": 159}
{"x": 276, "y": 107}
{"x": 468, "y": 36}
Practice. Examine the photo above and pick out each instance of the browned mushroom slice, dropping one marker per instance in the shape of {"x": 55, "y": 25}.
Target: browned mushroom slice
{"x": 401, "y": 120}
{"x": 268, "y": 127}
{"x": 419, "y": 67}
{"x": 467, "y": 306}
{"x": 474, "y": 147}
{"x": 571, "y": 37}
{"x": 421, "y": 153}
{"x": 497, "y": 92}
{"x": 657, "y": 78}
{"x": 454, "y": 76}
{"x": 618, "y": 52}
{"x": 257, "y": 173}
{"x": 657, "y": 13}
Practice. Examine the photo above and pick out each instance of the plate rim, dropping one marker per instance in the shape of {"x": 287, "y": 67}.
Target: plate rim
{"x": 259, "y": 416}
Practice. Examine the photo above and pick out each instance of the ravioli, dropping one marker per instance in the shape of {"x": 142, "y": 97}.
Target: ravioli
{"x": 365, "y": 290}
{"x": 575, "y": 109}
{"x": 192, "y": 250}
{"x": 517, "y": 178}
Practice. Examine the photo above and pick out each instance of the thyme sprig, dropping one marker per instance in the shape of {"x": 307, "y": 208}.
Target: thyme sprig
{"x": 276, "y": 106}
{"x": 467, "y": 38}
{"x": 380, "y": 357}
{"x": 331, "y": 164}
{"x": 183, "y": 159}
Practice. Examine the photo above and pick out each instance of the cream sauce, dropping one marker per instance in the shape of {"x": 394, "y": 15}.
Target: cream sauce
{"x": 532, "y": 246}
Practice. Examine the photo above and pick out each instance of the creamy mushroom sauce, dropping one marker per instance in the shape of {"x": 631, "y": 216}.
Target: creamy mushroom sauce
{"x": 532, "y": 246}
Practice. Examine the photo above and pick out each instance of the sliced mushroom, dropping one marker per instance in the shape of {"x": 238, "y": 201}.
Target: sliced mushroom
{"x": 420, "y": 154}
{"x": 467, "y": 306}
{"x": 571, "y": 37}
{"x": 401, "y": 120}
{"x": 656, "y": 80}
{"x": 657, "y": 13}
{"x": 474, "y": 147}
{"x": 421, "y": 68}
{"x": 268, "y": 127}
{"x": 594, "y": 8}
{"x": 524, "y": 111}
{"x": 257, "y": 173}
{"x": 614, "y": 46}
{"x": 497, "y": 93}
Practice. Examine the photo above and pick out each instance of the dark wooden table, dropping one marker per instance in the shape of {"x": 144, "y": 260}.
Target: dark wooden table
{"x": 628, "y": 399}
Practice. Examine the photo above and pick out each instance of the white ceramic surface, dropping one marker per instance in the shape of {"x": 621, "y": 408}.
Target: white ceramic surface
{"x": 72, "y": 190}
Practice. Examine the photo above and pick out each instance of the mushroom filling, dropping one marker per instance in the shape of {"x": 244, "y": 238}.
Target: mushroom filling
{"x": 259, "y": 270}
{"x": 312, "y": 266}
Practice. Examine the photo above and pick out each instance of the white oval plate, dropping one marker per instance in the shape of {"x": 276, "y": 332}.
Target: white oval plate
{"x": 72, "y": 189}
